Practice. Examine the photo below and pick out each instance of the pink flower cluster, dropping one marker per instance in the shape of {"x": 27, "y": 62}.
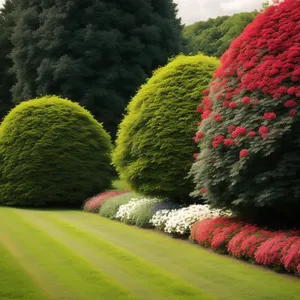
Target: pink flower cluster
{"x": 279, "y": 250}
{"x": 93, "y": 204}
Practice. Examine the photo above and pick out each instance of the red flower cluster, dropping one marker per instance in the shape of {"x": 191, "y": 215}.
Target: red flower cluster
{"x": 222, "y": 235}
{"x": 204, "y": 232}
{"x": 198, "y": 137}
{"x": 232, "y": 105}
{"x": 290, "y": 103}
{"x": 244, "y": 153}
{"x": 231, "y": 128}
{"x": 271, "y": 251}
{"x": 276, "y": 30}
{"x": 277, "y": 249}
{"x": 203, "y": 191}
{"x": 218, "y": 117}
{"x": 251, "y": 133}
{"x": 246, "y": 242}
{"x": 93, "y": 204}
{"x": 239, "y": 131}
{"x": 217, "y": 141}
{"x": 229, "y": 142}
{"x": 269, "y": 116}
{"x": 246, "y": 100}
{"x": 264, "y": 131}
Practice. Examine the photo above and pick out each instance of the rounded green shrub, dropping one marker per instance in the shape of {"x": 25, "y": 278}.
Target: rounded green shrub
{"x": 154, "y": 147}
{"x": 53, "y": 153}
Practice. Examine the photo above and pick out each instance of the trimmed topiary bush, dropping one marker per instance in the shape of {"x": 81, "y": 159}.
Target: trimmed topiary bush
{"x": 53, "y": 153}
{"x": 155, "y": 149}
{"x": 250, "y": 133}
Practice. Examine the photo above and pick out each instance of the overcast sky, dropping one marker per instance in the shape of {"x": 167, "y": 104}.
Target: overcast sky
{"x": 195, "y": 10}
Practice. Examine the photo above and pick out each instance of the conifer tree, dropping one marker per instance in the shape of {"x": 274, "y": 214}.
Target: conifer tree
{"x": 6, "y": 78}
{"x": 95, "y": 52}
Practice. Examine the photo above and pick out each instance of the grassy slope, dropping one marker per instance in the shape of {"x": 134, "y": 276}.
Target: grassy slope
{"x": 74, "y": 255}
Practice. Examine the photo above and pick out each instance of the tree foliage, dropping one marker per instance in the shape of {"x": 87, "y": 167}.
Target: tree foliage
{"x": 155, "y": 149}
{"x": 7, "y": 79}
{"x": 213, "y": 37}
{"x": 251, "y": 124}
{"x": 94, "y": 52}
{"x": 53, "y": 153}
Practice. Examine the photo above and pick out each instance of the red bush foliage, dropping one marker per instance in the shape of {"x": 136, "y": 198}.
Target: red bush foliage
{"x": 223, "y": 235}
{"x": 291, "y": 254}
{"x": 93, "y": 204}
{"x": 215, "y": 233}
{"x": 277, "y": 249}
{"x": 269, "y": 253}
{"x": 246, "y": 242}
{"x": 250, "y": 112}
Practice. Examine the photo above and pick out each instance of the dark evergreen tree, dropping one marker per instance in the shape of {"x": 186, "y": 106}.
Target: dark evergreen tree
{"x": 7, "y": 79}
{"x": 94, "y": 52}
{"x": 26, "y": 54}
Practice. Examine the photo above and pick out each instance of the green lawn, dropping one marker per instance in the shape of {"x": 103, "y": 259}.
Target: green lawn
{"x": 73, "y": 255}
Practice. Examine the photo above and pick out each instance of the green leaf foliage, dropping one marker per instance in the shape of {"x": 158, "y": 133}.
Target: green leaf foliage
{"x": 94, "y": 52}
{"x": 53, "y": 153}
{"x": 155, "y": 146}
{"x": 214, "y": 36}
{"x": 7, "y": 79}
{"x": 111, "y": 206}
{"x": 144, "y": 213}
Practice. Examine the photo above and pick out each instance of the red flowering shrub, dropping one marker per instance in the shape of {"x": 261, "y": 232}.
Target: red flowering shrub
{"x": 246, "y": 242}
{"x": 277, "y": 249}
{"x": 223, "y": 235}
{"x": 270, "y": 252}
{"x": 253, "y": 102}
{"x": 291, "y": 254}
{"x": 215, "y": 233}
{"x": 93, "y": 204}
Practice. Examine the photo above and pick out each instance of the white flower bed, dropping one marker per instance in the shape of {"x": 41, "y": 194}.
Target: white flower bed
{"x": 126, "y": 212}
{"x": 180, "y": 221}
{"x": 161, "y": 217}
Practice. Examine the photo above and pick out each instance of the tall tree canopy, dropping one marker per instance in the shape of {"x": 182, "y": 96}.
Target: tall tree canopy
{"x": 213, "y": 37}
{"x": 6, "y": 78}
{"x": 95, "y": 52}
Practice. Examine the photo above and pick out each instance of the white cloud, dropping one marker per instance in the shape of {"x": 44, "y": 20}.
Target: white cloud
{"x": 195, "y": 10}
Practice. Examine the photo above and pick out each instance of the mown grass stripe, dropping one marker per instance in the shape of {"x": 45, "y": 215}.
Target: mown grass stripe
{"x": 15, "y": 283}
{"x": 142, "y": 278}
{"x": 68, "y": 275}
{"x": 221, "y": 276}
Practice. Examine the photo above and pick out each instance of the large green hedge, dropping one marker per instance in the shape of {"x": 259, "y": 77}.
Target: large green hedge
{"x": 155, "y": 145}
{"x": 250, "y": 133}
{"x": 53, "y": 153}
